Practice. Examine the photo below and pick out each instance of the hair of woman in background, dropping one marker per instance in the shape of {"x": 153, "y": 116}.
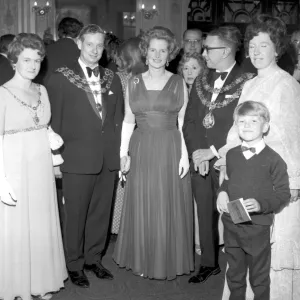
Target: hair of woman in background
{"x": 111, "y": 45}
{"x": 129, "y": 57}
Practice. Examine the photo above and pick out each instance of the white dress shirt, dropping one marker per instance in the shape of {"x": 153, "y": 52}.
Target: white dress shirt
{"x": 93, "y": 78}
{"x": 219, "y": 82}
{"x": 217, "y": 85}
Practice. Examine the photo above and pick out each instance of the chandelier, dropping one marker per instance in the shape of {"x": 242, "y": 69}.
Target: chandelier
{"x": 41, "y": 10}
{"x": 149, "y": 13}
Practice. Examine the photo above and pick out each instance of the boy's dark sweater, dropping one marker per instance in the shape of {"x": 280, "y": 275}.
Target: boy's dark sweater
{"x": 262, "y": 177}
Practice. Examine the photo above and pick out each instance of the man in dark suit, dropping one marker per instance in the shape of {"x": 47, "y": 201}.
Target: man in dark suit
{"x": 208, "y": 119}
{"x": 6, "y": 70}
{"x": 87, "y": 111}
{"x": 62, "y": 52}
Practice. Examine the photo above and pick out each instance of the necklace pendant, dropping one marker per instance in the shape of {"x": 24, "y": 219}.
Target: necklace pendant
{"x": 36, "y": 120}
{"x": 209, "y": 120}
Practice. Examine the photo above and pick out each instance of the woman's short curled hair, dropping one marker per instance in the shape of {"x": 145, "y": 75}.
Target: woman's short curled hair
{"x": 186, "y": 57}
{"x": 25, "y": 41}
{"x": 252, "y": 108}
{"x": 273, "y": 26}
{"x": 160, "y": 33}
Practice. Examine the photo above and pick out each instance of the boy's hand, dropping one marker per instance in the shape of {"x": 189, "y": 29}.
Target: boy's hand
{"x": 252, "y": 205}
{"x": 222, "y": 201}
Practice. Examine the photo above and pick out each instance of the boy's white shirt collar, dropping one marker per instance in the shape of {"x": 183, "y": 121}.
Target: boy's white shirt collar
{"x": 259, "y": 146}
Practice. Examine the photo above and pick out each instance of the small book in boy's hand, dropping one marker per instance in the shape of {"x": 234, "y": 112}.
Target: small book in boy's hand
{"x": 238, "y": 211}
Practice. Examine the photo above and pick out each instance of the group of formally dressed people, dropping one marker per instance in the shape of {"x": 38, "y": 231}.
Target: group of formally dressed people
{"x": 183, "y": 146}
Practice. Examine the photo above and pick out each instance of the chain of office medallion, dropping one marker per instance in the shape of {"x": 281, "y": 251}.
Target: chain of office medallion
{"x": 83, "y": 84}
{"x": 244, "y": 77}
{"x": 240, "y": 80}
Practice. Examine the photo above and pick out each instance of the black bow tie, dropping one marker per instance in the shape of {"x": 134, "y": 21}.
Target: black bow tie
{"x": 217, "y": 75}
{"x": 95, "y": 71}
{"x": 252, "y": 149}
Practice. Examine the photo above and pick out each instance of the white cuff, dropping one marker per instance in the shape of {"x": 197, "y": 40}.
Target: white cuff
{"x": 214, "y": 151}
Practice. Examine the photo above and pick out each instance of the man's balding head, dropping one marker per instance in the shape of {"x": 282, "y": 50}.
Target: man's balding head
{"x": 192, "y": 41}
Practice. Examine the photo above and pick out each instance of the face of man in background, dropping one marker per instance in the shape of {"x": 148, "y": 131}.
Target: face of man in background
{"x": 192, "y": 42}
{"x": 295, "y": 40}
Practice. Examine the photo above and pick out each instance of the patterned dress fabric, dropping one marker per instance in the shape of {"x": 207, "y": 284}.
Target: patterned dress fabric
{"x": 31, "y": 250}
{"x": 119, "y": 191}
{"x": 280, "y": 92}
{"x": 156, "y": 231}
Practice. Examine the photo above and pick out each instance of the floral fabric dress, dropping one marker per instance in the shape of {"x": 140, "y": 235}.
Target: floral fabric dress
{"x": 119, "y": 191}
{"x": 280, "y": 92}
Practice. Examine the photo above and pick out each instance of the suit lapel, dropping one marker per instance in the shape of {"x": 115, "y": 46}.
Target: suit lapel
{"x": 78, "y": 70}
{"x": 104, "y": 97}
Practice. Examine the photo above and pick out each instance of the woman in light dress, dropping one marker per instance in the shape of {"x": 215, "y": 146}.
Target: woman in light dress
{"x": 31, "y": 252}
{"x": 280, "y": 92}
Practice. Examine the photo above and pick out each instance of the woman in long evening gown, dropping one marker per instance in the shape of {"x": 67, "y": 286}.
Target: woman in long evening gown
{"x": 31, "y": 251}
{"x": 156, "y": 231}
{"x": 280, "y": 92}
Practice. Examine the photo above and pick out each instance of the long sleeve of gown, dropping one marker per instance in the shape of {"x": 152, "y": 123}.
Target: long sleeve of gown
{"x": 280, "y": 92}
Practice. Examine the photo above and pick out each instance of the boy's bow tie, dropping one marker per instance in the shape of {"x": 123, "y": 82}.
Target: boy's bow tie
{"x": 252, "y": 149}
{"x": 95, "y": 71}
{"x": 217, "y": 75}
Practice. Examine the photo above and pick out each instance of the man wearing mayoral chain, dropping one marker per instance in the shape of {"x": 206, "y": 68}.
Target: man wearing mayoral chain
{"x": 208, "y": 119}
{"x": 87, "y": 111}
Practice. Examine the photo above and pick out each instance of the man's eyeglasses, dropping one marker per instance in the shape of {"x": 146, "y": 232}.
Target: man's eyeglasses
{"x": 206, "y": 48}
{"x": 190, "y": 42}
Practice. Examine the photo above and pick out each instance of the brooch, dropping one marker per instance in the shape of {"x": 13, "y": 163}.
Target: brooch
{"x": 136, "y": 80}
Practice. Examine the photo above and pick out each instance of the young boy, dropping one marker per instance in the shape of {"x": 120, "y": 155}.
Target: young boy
{"x": 257, "y": 174}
